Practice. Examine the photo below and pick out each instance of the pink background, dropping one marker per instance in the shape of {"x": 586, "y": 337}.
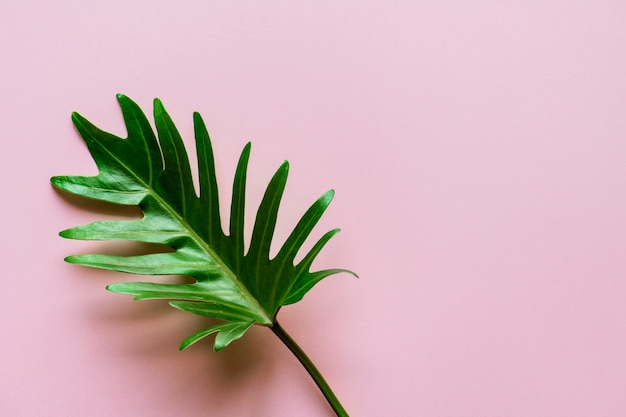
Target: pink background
{"x": 478, "y": 154}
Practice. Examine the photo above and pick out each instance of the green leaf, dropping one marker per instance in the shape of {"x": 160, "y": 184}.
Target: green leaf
{"x": 153, "y": 172}
{"x": 226, "y": 333}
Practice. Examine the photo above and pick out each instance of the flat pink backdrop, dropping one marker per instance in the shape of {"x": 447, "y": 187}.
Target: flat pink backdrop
{"x": 478, "y": 154}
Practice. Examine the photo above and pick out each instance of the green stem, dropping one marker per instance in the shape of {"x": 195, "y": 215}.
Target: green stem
{"x": 311, "y": 369}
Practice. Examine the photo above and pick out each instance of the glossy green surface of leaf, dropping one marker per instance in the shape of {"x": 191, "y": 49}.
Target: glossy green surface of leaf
{"x": 152, "y": 171}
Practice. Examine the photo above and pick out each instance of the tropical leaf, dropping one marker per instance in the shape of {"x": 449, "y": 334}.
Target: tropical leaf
{"x": 153, "y": 172}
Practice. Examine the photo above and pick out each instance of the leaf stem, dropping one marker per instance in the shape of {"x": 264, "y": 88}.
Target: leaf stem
{"x": 311, "y": 369}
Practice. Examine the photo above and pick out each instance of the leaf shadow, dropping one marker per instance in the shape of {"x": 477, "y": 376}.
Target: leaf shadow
{"x": 151, "y": 331}
{"x": 148, "y": 334}
{"x": 244, "y": 371}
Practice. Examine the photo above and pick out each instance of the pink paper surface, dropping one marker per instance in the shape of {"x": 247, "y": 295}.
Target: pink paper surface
{"x": 478, "y": 153}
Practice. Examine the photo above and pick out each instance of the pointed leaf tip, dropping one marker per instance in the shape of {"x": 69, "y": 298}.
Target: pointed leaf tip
{"x": 328, "y": 196}
{"x": 246, "y": 149}
{"x": 116, "y": 288}
{"x": 123, "y": 99}
{"x": 56, "y": 180}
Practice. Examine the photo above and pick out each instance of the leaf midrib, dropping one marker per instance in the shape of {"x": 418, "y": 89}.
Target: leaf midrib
{"x": 192, "y": 233}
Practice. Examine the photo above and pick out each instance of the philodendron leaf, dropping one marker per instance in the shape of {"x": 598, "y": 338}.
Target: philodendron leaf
{"x": 153, "y": 172}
